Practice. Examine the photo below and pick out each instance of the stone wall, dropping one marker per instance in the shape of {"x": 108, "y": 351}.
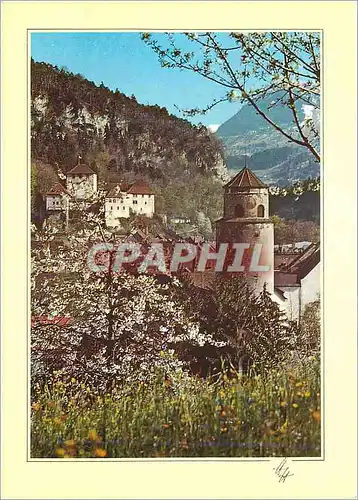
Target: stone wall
{"x": 249, "y": 200}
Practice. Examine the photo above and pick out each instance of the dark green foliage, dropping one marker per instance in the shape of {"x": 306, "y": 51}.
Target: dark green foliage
{"x": 304, "y": 208}
{"x": 256, "y": 330}
{"x": 123, "y": 140}
{"x": 292, "y": 231}
{"x": 139, "y": 139}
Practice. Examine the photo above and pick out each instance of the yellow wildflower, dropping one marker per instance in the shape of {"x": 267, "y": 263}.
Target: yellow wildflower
{"x": 92, "y": 435}
{"x": 36, "y": 406}
{"x": 294, "y": 405}
{"x": 307, "y": 394}
{"x": 283, "y": 404}
{"x": 316, "y": 415}
{"x": 283, "y": 428}
{"x": 70, "y": 443}
{"x": 299, "y": 384}
{"x": 60, "y": 452}
{"x": 73, "y": 380}
{"x": 100, "y": 453}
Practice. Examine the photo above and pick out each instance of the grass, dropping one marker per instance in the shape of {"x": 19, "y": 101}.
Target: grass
{"x": 233, "y": 416}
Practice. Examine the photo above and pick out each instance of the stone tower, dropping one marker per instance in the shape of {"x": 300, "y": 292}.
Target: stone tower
{"x": 246, "y": 220}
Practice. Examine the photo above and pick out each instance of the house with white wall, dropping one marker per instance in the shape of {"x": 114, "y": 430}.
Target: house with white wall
{"x": 297, "y": 283}
{"x": 123, "y": 199}
{"x": 57, "y": 199}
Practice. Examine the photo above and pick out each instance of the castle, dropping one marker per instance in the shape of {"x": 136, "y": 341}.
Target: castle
{"x": 246, "y": 220}
{"x": 120, "y": 201}
{"x": 293, "y": 283}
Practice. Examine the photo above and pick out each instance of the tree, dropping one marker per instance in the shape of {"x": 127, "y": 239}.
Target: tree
{"x": 204, "y": 225}
{"x": 121, "y": 323}
{"x": 293, "y": 231}
{"x": 253, "y": 329}
{"x": 311, "y": 327}
{"x": 284, "y": 66}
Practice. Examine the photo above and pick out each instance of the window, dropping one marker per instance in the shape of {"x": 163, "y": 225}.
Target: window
{"x": 124, "y": 208}
{"x": 239, "y": 211}
{"x": 121, "y": 201}
{"x": 135, "y": 202}
{"x": 117, "y": 208}
{"x": 260, "y": 211}
{"x": 145, "y": 203}
{"x": 111, "y": 208}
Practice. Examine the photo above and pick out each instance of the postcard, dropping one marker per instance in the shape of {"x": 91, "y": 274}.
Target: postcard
{"x": 177, "y": 303}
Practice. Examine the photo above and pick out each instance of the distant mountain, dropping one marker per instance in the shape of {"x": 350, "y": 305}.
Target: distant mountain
{"x": 249, "y": 139}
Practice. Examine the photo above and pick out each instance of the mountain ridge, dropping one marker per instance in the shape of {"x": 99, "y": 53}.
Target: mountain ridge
{"x": 249, "y": 140}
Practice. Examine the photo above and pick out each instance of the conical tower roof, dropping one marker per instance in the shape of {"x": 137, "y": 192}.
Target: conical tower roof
{"x": 245, "y": 179}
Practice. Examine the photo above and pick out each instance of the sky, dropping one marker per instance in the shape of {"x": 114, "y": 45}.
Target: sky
{"x": 124, "y": 61}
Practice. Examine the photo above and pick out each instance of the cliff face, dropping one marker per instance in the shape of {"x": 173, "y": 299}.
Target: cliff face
{"x": 113, "y": 133}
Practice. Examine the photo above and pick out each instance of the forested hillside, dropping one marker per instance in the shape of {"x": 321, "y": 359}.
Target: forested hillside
{"x": 120, "y": 138}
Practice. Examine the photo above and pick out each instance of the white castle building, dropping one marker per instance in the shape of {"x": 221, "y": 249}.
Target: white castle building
{"x": 126, "y": 198}
{"x": 120, "y": 201}
{"x": 81, "y": 182}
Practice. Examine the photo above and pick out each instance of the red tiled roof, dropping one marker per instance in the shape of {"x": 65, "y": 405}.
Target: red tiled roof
{"x": 286, "y": 279}
{"x": 305, "y": 262}
{"x": 55, "y": 320}
{"x": 245, "y": 179}
{"x": 140, "y": 187}
{"x": 283, "y": 259}
{"x": 57, "y": 189}
{"x": 82, "y": 168}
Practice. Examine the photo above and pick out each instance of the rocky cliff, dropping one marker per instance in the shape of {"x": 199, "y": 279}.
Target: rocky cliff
{"x": 112, "y": 132}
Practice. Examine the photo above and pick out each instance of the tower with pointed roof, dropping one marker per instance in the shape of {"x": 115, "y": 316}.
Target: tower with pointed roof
{"x": 246, "y": 220}
{"x": 81, "y": 182}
